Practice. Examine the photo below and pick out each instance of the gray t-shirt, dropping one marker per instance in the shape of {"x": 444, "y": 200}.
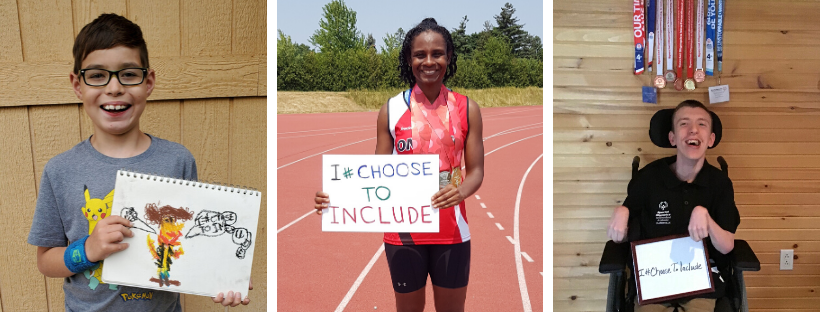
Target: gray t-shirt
{"x": 75, "y": 188}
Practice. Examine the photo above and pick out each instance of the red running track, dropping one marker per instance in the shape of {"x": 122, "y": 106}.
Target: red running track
{"x": 348, "y": 271}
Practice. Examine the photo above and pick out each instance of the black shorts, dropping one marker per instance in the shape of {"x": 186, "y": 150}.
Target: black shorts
{"x": 447, "y": 265}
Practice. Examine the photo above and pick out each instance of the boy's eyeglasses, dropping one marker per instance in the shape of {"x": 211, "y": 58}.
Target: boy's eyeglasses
{"x": 97, "y": 77}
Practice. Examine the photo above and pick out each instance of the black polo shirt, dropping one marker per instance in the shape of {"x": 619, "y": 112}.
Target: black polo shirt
{"x": 664, "y": 203}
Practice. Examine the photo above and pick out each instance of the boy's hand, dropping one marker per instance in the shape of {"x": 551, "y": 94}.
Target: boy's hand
{"x": 107, "y": 237}
{"x": 233, "y": 299}
{"x": 447, "y": 197}
{"x": 699, "y": 223}
{"x": 322, "y": 199}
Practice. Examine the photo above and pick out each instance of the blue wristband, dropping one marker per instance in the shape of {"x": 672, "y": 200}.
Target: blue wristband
{"x": 75, "y": 258}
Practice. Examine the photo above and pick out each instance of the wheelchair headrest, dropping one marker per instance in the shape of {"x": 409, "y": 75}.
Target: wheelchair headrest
{"x": 661, "y": 124}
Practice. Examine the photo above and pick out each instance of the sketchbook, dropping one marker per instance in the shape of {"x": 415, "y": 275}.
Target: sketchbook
{"x": 189, "y": 236}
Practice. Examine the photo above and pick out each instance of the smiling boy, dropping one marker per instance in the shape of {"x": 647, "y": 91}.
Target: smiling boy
{"x": 684, "y": 194}
{"x": 73, "y": 228}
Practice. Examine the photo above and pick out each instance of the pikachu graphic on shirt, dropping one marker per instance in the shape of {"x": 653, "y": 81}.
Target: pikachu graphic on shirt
{"x": 96, "y": 209}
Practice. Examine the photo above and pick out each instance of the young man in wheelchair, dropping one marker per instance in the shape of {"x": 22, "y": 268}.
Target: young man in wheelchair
{"x": 683, "y": 194}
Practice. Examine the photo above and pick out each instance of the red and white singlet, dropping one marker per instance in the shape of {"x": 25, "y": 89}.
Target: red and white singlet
{"x": 453, "y": 228}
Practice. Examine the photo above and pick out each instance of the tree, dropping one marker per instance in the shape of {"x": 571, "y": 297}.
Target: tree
{"x": 533, "y": 48}
{"x": 394, "y": 41}
{"x": 509, "y": 28}
{"x": 337, "y": 29}
{"x": 463, "y": 43}
{"x": 371, "y": 42}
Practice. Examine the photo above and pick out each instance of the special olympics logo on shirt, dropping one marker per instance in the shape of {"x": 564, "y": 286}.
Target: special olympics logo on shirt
{"x": 663, "y": 205}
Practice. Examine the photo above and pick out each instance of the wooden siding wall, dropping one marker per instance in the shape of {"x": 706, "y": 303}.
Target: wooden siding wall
{"x": 210, "y": 95}
{"x": 771, "y": 141}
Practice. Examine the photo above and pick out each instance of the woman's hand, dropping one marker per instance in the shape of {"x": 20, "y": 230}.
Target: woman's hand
{"x": 322, "y": 200}
{"x": 447, "y": 197}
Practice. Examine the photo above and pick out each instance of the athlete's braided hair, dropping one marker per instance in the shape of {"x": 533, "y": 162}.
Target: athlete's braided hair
{"x": 405, "y": 71}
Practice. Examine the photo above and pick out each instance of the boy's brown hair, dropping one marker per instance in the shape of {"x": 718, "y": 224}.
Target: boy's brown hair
{"x": 105, "y": 32}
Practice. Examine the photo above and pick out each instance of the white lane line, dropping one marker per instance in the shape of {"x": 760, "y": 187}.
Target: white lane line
{"x": 328, "y": 129}
{"x": 519, "y": 265}
{"x": 518, "y": 111}
{"x": 359, "y": 280}
{"x": 476, "y": 197}
{"x": 318, "y": 134}
{"x": 483, "y": 205}
{"x": 509, "y": 238}
{"x": 499, "y": 226}
{"x": 515, "y": 129}
{"x": 297, "y": 220}
{"x": 490, "y": 215}
{"x": 526, "y": 256}
{"x": 529, "y": 137}
{"x": 320, "y": 153}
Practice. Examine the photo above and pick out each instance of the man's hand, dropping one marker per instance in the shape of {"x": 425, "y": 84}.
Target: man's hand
{"x": 234, "y": 299}
{"x": 107, "y": 237}
{"x": 618, "y": 224}
{"x": 699, "y": 223}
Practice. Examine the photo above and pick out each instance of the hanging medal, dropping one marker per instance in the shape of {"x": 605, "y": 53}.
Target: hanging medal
{"x": 660, "y": 82}
{"x": 650, "y": 34}
{"x": 679, "y": 21}
{"x": 699, "y": 75}
{"x": 690, "y": 40}
{"x": 638, "y": 34}
{"x": 668, "y": 30}
{"x": 710, "y": 38}
{"x": 720, "y": 8}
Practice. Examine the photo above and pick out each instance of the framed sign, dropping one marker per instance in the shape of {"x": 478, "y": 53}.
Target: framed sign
{"x": 671, "y": 267}
{"x": 380, "y": 193}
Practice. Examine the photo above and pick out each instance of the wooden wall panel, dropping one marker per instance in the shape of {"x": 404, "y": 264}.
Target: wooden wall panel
{"x": 249, "y": 168}
{"x": 771, "y": 141}
{"x": 159, "y": 21}
{"x": 10, "y": 49}
{"x": 19, "y": 276}
{"x": 248, "y": 29}
{"x": 205, "y": 29}
{"x": 46, "y": 30}
{"x": 86, "y": 11}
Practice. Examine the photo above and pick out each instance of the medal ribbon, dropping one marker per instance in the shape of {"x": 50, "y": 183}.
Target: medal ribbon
{"x": 710, "y": 38}
{"x": 432, "y": 127}
{"x": 690, "y": 38}
{"x": 699, "y": 36}
{"x": 659, "y": 31}
{"x": 637, "y": 31}
{"x": 720, "y": 6}
{"x": 679, "y": 39}
{"x": 650, "y": 30}
{"x": 669, "y": 29}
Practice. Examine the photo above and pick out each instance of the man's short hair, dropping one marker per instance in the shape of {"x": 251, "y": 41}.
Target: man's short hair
{"x": 692, "y": 104}
{"x": 105, "y": 32}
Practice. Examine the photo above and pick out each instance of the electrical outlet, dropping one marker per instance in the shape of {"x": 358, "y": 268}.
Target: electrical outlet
{"x": 786, "y": 259}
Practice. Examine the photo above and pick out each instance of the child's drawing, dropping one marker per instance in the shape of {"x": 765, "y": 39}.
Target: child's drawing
{"x": 136, "y": 223}
{"x": 212, "y": 223}
{"x": 170, "y": 221}
{"x": 96, "y": 209}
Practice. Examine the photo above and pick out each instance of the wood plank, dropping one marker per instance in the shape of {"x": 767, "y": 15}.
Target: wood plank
{"x": 778, "y": 81}
{"x": 579, "y": 294}
{"x": 753, "y": 280}
{"x": 86, "y": 11}
{"x": 19, "y": 278}
{"x": 163, "y": 119}
{"x": 731, "y": 119}
{"x": 738, "y": 161}
{"x": 736, "y": 174}
{"x": 623, "y": 34}
{"x": 10, "y": 44}
{"x": 206, "y": 28}
{"x": 735, "y": 66}
{"x": 778, "y": 186}
{"x": 248, "y": 27}
{"x": 782, "y": 292}
{"x": 784, "y": 303}
{"x": 206, "y": 133}
{"x": 248, "y": 150}
{"x": 177, "y": 78}
{"x": 577, "y": 249}
{"x": 579, "y": 305}
{"x": 53, "y": 132}
{"x": 602, "y": 223}
{"x": 632, "y": 94}
{"x": 262, "y": 89}
{"x": 739, "y": 51}
{"x": 746, "y": 211}
{"x": 86, "y": 125}
{"x": 724, "y": 149}
{"x": 614, "y": 199}
{"x": 46, "y": 31}
{"x": 160, "y": 24}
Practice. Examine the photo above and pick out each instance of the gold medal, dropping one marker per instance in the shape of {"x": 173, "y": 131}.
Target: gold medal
{"x": 455, "y": 177}
{"x": 690, "y": 84}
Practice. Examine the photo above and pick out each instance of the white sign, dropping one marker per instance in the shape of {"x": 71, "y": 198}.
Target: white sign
{"x": 719, "y": 94}
{"x": 670, "y": 268}
{"x": 380, "y": 193}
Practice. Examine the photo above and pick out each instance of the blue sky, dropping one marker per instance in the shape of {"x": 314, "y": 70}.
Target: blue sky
{"x": 299, "y": 19}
